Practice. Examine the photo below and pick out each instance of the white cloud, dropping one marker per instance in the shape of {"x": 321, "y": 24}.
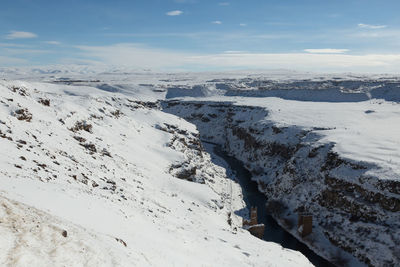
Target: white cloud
{"x": 390, "y": 36}
{"x": 174, "y": 13}
{"x": 373, "y": 27}
{"x": 326, "y": 51}
{"x": 224, "y": 4}
{"x": 235, "y": 52}
{"x": 53, "y": 42}
{"x": 11, "y": 45}
{"x": 134, "y": 55}
{"x": 25, "y": 51}
{"x": 216, "y": 22}
{"x": 303, "y": 61}
{"x": 20, "y": 35}
{"x": 138, "y": 56}
{"x": 12, "y": 61}
{"x": 242, "y": 24}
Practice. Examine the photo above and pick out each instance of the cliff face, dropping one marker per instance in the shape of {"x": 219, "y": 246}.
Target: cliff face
{"x": 354, "y": 213}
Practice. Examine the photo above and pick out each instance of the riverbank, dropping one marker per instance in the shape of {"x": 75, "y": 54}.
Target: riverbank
{"x": 254, "y": 198}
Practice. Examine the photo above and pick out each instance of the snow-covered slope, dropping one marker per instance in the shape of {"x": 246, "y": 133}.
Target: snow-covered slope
{"x": 103, "y": 158}
{"x": 337, "y": 161}
{"x": 89, "y": 178}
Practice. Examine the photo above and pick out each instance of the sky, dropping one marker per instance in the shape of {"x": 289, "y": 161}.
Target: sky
{"x": 312, "y": 35}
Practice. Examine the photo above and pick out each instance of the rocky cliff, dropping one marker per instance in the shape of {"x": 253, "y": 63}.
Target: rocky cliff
{"x": 354, "y": 213}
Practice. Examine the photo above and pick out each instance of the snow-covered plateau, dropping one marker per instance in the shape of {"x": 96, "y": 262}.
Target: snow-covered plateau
{"x": 108, "y": 169}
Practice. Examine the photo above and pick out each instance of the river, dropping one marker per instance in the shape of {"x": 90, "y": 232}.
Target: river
{"x": 254, "y": 198}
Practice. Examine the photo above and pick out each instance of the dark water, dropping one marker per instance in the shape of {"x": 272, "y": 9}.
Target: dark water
{"x": 254, "y": 198}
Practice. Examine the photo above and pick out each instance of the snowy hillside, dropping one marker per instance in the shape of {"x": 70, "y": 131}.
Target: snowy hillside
{"x": 96, "y": 178}
{"x": 115, "y": 159}
{"x": 330, "y": 152}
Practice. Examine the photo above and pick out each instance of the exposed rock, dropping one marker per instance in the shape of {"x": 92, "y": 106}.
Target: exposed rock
{"x": 82, "y": 126}
{"x": 44, "y": 102}
{"x": 89, "y": 146}
{"x": 23, "y": 115}
{"x": 64, "y": 233}
{"x": 296, "y": 176}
